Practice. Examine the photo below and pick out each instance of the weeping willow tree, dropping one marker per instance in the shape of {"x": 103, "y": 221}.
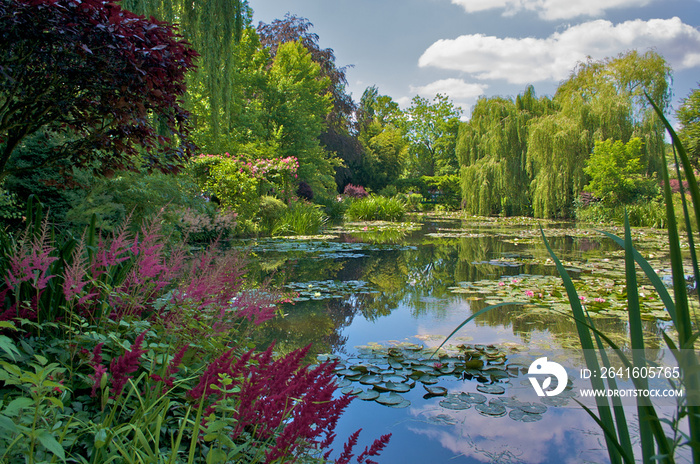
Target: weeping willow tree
{"x": 601, "y": 100}
{"x": 492, "y": 148}
{"x": 220, "y": 30}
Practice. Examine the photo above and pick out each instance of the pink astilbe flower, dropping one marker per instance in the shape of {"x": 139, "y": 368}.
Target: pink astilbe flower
{"x": 96, "y": 363}
{"x": 31, "y": 260}
{"x": 75, "y": 278}
{"x": 122, "y": 367}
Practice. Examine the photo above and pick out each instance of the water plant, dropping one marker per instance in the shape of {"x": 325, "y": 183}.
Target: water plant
{"x": 376, "y": 208}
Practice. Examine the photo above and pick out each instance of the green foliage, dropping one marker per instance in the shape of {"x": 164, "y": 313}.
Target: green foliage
{"x": 226, "y": 180}
{"x": 431, "y": 130}
{"x": 601, "y": 100}
{"x": 301, "y": 218}
{"x": 617, "y": 173}
{"x": 137, "y": 195}
{"x": 648, "y": 213}
{"x": 297, "y": 106}
{"x": 385, "y": 152}
{"x": 492, "y": 151}
{"x": 689, "y": 118}
{"x": 271, "y": 212}
{"x": 376, "y": 208}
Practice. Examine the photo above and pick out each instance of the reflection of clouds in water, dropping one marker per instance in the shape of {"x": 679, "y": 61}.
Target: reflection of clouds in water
{"x": 562, "y": 436}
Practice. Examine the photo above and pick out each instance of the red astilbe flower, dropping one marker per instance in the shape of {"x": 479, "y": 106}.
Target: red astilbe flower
{"x": 226, "y": 364}
{"x": 377, "y": 446}
{"x": 280, "y": 398}
{"x": 96, "y": 363}
{"x": 173, "y": 367}
{"x": 126, "y": 364}
{"x": 374, "y": 450}
{"x": 347, "y": 453}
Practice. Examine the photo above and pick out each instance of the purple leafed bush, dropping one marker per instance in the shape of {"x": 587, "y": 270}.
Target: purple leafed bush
{"x": 355, "y": 191}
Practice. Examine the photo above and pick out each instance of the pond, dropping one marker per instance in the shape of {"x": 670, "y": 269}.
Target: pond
{"x": 381, "y": 297}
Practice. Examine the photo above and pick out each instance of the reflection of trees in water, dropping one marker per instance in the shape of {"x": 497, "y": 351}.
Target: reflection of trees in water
{"x": 430, "y": 275}
{"x": 563, "y": 329}
{"x": 420, "y": 278}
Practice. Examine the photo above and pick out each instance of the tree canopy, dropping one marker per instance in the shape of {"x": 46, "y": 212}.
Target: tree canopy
{"x": 51, "y": 51}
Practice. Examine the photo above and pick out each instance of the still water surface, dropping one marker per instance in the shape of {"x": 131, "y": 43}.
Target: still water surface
{"x": 375, "y": 287}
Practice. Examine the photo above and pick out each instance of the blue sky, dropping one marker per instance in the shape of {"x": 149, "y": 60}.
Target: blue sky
{"x": 468, "y": 48}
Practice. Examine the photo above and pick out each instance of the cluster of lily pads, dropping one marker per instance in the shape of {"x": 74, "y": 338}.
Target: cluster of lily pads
{"x": 382, "y": 374}
{"x": 327, "y": 289}
{"x": 601, "y": 295}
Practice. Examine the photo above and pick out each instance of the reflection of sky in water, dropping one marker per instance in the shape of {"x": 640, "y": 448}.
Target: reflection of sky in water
{"x": 425, "y": 432}
{"x": 563, "y": 435}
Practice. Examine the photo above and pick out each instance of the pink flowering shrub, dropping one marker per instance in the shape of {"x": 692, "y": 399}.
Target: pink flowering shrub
{"x": 238, "y": 183}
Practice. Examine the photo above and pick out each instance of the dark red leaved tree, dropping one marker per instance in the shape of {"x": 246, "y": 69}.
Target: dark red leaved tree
{"x": 104, "y": 83}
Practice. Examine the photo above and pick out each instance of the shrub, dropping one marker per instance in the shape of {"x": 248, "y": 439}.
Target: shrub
{"x": 376, "y": 208}
{"x": 271, "y": 213}
{"x": 305, "y": 191}
{"x": 355, "y": 191}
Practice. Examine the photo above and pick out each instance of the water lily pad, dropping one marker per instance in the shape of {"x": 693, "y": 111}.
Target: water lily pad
{"x": 368, "y": 395}
{"x": 522, "y": 416}
{"x": 491, "y": 389}
{"x": 351, "y": 390}
{"x": 394, "y": 378}
{"x": 491, "y": 409}
{"x": 428, "y": 379}
{"x": 454, "y": 404}
{"x": 389, "y": 398}
{"x": 474, "y": 398}
{"x": 401, "y": 405}
{"x": 509, "y": 402}
{"x": 348, "y": 373}
{"x": 370, "y": 379}
{"x": 392, "y": 387}
{"x": 344, "y": 383}
{"x": 533, "y": 408}
{"x": 435, "y": 391}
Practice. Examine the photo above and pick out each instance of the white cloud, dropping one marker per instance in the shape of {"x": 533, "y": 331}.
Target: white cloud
{"x": 454, "y": 88}
{"x": 461, "y": 93}
{"x": 529, "y": 60}
{"x": 551, "y": 9}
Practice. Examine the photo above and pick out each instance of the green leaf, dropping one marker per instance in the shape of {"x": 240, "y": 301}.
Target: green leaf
{"x": 100, "y": 438}
{"x": 16, "y": 405}
{"x": 7, "y": 424}
{"x": 9, "y": 347}
{"x": 50, "y": 443}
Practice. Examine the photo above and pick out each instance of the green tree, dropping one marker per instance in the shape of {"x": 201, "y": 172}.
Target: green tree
{"x": 384, "y": 152}
{"x": 338, "y": 134}
{"x": 431, "y": 131}
{"x": 601, "y": 100}
{"x": 492, "y": 148}
{"x": 689, "y": 117}
{"x": 296, "y": 107}
{"x": 617, "y": 172}
{"x": 215, "y": 28}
